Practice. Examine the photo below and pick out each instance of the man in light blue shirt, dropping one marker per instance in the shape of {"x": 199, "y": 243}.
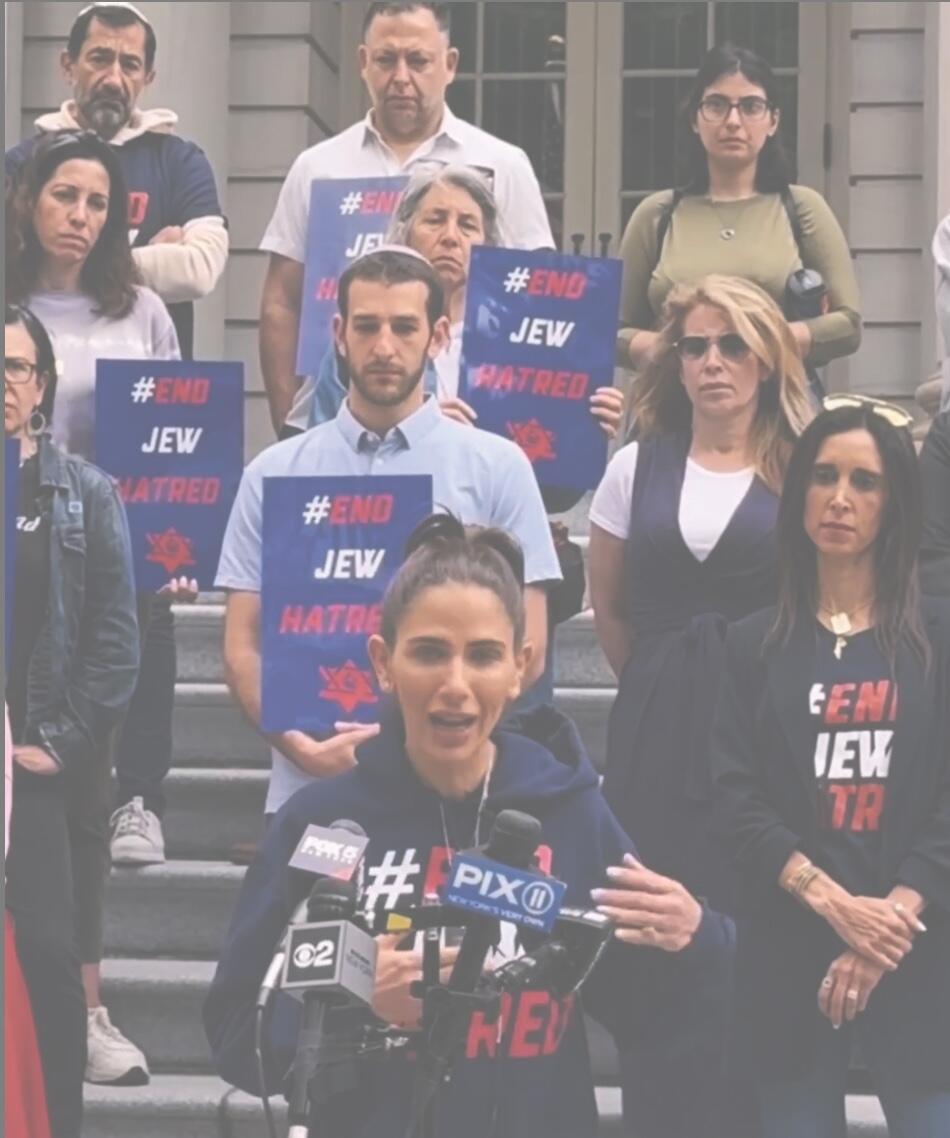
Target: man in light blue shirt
{"x": 389, "y": 325}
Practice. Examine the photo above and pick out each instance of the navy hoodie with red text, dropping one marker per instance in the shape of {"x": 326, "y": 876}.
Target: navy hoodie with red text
{"x": 531, "y": 1078}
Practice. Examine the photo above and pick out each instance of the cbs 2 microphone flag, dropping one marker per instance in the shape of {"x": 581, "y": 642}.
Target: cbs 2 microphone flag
{"x": 11, "y": 494}
{"x": 331, "y": 545}
{"x": 539, "y": 338}
{"x": 171, "y": 433}
{"x": 348, "y": 218}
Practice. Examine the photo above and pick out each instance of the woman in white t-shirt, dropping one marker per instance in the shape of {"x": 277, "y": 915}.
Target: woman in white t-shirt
{"x": 69, "y": 260}
{"x": 682, "y": 543}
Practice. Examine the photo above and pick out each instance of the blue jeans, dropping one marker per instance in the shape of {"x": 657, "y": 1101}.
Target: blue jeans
{"x": 814, "y": 1105}
{"x": 144, "y": 751}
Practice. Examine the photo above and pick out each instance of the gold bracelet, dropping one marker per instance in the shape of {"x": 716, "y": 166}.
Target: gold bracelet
{"x": 805, "y": 880}
{"x": 802, "y": 878}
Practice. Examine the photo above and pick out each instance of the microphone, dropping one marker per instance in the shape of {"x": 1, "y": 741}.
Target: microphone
{"x": 330, "y": 962}
{"x": 326, "y": 853}
{"x": 511, "y": 844}
{"x": 562, "y": 963}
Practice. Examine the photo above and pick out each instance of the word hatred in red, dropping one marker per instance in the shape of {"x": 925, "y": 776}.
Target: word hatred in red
{"x": 173, "y": 491}
{"x": 536, "y": 381}
{"x": 330, "y": 620}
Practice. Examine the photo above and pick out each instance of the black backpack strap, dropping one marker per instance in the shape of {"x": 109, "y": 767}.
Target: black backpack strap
{"x": 791, "y": 210}
{"x": 666, "y": 219}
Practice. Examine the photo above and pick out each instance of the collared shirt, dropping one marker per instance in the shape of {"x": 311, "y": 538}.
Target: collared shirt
{"x": 361, "y": 152}
{"x": 481, "y": 478}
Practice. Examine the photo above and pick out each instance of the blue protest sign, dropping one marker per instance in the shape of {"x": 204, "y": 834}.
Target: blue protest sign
{"x": 539, "y": 339}
{"x": 171, "y": 433}
{"x": 330, "y": 548}
{"x": 11, "y": 488}
{"x": 348, "y": 217}
{"x": 480, "y": 885}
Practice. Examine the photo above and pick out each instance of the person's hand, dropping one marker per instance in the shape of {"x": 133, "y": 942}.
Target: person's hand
{"x": 875, "y": 928}
{"x": 181, "y": 590}
{"x": 35, "y": 760}
{"x": 649, "y": 910}
{"x": 606, "y": 405}
{"x": 396, "y": 972}
{"x": 458, "y": 410}
{"x": 329, "y": 757}
{"x": 170, "y": 235}
{"x": 847, "y": 987}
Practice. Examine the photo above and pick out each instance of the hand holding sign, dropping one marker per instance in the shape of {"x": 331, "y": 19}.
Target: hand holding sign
{"x": 329, "y": 757}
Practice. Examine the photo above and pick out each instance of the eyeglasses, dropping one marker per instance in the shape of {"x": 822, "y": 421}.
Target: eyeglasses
{"x": 18, "y": 371}
{"x": 731, "y": 346}
{"x": 717, "y": 108}
{"x": 891, "y": 412}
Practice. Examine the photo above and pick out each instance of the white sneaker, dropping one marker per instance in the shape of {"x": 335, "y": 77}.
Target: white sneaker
{"x": 112, "y": 1059}
{"x": 136, "y": 836}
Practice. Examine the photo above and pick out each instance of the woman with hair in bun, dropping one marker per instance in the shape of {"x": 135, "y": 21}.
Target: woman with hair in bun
{"x": 451, "y": 653}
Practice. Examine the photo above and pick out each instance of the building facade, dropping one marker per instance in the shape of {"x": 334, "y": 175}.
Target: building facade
{"x": 591, "y": 90}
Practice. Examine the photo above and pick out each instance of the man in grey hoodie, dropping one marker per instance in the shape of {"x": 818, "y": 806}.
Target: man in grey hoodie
{"x": 178, "y": 233}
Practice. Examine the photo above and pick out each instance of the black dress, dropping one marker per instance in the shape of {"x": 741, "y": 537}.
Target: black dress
{"x": 657, "y": 780}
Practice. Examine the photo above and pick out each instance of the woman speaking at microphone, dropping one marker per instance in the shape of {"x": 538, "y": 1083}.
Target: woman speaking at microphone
{"x": 451, "y": 655}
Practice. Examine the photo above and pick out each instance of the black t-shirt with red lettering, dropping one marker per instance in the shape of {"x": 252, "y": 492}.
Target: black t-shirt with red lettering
{"x": 854, "y": 703}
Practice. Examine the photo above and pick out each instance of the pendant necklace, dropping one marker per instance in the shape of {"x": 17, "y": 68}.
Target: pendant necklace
{"x": 841, "y": 625}
{"x": 478, "y": 816}
{"x": 726, "y": 232}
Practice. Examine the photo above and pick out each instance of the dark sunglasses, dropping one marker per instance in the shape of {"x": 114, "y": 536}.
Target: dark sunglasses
{"x": 731, "y": 346}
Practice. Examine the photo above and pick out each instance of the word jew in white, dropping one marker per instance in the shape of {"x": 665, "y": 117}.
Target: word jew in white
{"x": 347, "y": 564}
{"x": 173, "y": 440}
{"x": 550, "y": 333}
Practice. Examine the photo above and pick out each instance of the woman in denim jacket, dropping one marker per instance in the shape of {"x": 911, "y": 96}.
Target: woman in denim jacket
{"x": 72, "y": 664}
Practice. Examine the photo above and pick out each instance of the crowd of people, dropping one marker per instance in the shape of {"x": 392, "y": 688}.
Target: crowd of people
{"x": 769, "y": 572}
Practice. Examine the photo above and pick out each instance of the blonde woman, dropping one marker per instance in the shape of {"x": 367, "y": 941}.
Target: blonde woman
{"x": 682, "y": 542}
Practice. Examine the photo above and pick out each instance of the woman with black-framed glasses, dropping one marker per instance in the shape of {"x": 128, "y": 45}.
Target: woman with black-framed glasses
{"x": 831, "y": 761}
{"x": 71, "y": 669}
{"x": 681, "y": 543}
{"x": 738, "y": 214}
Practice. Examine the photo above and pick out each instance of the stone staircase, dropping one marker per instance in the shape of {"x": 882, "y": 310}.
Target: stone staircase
{"x": 165, "y": 924}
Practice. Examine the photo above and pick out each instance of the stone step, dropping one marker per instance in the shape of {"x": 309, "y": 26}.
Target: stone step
{"x": 210, "y": 731}
{"x": 157, "y": 1003}
{"x": 202, "y": 1106}
{"x": 199, "y": 627}
{"x": 182, "y": 909}
{"x": 210, "y": 810}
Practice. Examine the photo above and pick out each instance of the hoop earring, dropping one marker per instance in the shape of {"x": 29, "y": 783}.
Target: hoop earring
{"x": 37, "y": 423}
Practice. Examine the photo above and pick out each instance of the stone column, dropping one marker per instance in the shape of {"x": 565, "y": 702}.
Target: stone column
{"x": 193, "y": 65}
{"x": 12, "y": 71}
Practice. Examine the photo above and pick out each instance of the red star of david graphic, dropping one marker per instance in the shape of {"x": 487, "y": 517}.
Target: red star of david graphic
{"x": 534, "y": 440}
{"x": 349, "y": 686}
{"x": 171, "y": 550}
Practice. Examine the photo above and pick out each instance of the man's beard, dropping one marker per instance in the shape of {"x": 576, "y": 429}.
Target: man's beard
{"x": 394, "y": 396}
{"x": 107, "y": 115}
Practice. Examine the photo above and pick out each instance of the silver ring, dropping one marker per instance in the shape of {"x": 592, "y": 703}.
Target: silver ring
{"x": 852, "y": 994}
{"x": 826, "y": 983}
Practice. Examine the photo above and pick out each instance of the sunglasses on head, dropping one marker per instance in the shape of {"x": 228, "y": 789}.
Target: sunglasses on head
{"x": 731, "y": 346}
{"x": 891, "y": 412}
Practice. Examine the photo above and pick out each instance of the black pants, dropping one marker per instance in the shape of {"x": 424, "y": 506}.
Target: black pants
{"x": 40, "y": 899}
{"x": 144, "y": 751}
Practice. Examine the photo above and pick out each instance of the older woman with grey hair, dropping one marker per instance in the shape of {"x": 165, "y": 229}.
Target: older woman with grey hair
{"x": 444, "y": 211}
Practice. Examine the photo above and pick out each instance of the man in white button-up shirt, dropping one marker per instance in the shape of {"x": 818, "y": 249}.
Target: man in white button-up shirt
{"x": 407, "y": 63}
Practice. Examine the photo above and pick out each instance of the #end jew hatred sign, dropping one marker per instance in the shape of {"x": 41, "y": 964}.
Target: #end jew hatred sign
{"x": 171, "y": 433}
{"x": 539, "y": 339}
{"x": 330, "y": 548}
{"x": 348, "y": 218}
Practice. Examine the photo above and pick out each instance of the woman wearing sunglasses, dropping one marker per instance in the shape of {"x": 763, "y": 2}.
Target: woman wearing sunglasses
{"x": 69, "y": 260}
{"x": 71, "y": 668}
{"x": 681, "y": 543}
{"x": 738, "y": 214}
{"x": 831, "y": 760}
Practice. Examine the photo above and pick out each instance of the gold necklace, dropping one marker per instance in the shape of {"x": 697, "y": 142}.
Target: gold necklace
{"x": 841, "y": 625}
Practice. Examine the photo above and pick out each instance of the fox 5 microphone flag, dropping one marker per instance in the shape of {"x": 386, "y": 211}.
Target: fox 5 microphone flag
{"x": 330, "y": 547}
{"x": 348, "y": 218}
{"x": 539, "y": 338}
{"x": 171, "y": 433}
